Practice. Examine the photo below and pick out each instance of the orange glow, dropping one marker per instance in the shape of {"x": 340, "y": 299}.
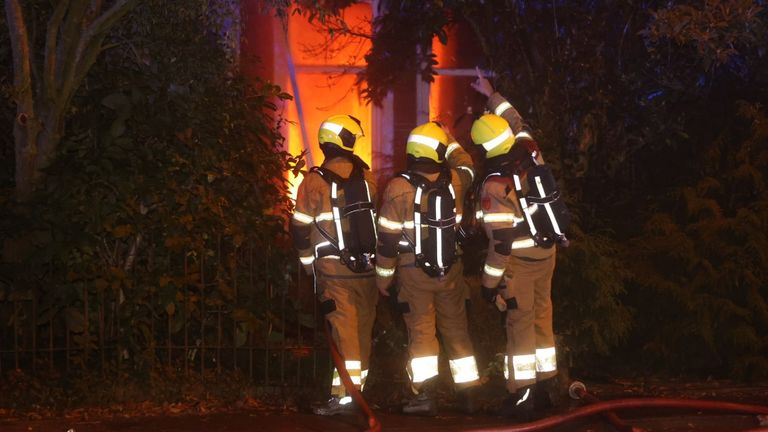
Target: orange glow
{"x": 311, "y": 47}
{"x": 326, "y": 75}
{"x": 445, "y": 56}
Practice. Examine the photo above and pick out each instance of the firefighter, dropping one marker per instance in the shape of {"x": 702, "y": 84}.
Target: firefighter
{"x": 347, "y": 298}
{"x": 429, "y": 304}
{"x": 524, "y": 269}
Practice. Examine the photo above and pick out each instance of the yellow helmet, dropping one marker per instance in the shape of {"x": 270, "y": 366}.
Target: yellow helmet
{"x": 342, "y": 130}
{"x": 494, "y": 134}
{"x": 429, "y": 141}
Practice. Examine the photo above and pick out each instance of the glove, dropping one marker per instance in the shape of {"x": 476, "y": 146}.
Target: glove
{"x": 491, "y": 295}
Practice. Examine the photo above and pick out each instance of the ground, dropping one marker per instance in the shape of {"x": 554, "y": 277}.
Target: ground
{"x": 298, "y": 420}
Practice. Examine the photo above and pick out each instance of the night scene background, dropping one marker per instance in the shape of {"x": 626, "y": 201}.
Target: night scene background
{"x": 149, "y": 150}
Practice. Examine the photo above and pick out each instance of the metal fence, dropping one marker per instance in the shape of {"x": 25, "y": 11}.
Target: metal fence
{"x": 285, "y": 347}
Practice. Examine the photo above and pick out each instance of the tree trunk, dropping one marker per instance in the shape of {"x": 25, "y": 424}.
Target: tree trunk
{"x": 36, "y": 139}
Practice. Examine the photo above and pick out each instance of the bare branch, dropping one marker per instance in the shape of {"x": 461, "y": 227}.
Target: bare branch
{"x": 22, "y": 68}
{"x": 104, "y": 23}
{"x": 89, "y": 46}
{"x": 49, "y": 74}
{"x": 71, "y": 36}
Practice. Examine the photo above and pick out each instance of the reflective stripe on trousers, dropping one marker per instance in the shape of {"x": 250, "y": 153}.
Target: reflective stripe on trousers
{"x": 422, "y": 368}
{"x": 464, "y": 370}
{"x": 526, "y": 366}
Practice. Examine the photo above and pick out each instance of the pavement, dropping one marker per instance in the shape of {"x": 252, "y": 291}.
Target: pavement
{"x": 654, "y": 419}
{"x": 650, "y": 421}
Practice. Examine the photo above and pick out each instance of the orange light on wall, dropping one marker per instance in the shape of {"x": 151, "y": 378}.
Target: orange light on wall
{"x": 325, "y": 73}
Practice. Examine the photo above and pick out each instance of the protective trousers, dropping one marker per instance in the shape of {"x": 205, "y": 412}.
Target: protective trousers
{"x": 348, "y": 301}
{"x": 530, "y": 340}
{"x": 431, "y": 305}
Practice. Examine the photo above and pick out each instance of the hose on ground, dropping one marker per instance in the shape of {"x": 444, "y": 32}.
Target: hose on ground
{"x": 602, "y": 407}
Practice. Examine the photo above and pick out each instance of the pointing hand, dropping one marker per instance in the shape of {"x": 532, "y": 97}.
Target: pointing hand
{"x": 482, "y": 85}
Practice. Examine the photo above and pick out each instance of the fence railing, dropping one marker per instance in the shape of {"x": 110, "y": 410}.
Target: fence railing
{"x": 198, "y": 331}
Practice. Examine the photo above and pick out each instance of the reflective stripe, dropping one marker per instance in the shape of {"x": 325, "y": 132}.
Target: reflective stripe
{"x": 307, "y": 260}
{"x": 423, "y": 139}
{"x": 468, "y": 169}
{"x": 353, "y": 369}
{"x": 389, "y": 224}
{"x": 327, "y": 216}
{"x": 525, "y": 397}
{"x": 540, "y": 188}
{"x": 500, "y": 108}
{"x": 337, "y": 217}
{"x": 495, "y": 142}
{"x": 501, "y": 217}
{"x": 493, "y": 271}
{"x": 524, "y": 366}
{"x": 439, "y": 232}
{"x": 384, "y": 272}
{"x": 451, "y": 147}
{"x": 409, "y": 224}
{"x": 302, "y": 217}
{"x": 458, "y": 218}
{"x": 417, "y": 222}
{"x": 546, "y": 359}
{"x": 524, "y": 205}
{"x": 479, "y": 215}
{"x": 337, "y": 379}
{"x": 464, "y": 370}
{"x": 506, "y": 367}
{"x": 373, "y": 212}
{"x": 523, "y": 134}
{"x": 319, "y": 245}
{"x": 333, "y": 127}
{"x": 345, "y": 400}
{"x": 423, "y": 368}
{"x": 522, "y": 244}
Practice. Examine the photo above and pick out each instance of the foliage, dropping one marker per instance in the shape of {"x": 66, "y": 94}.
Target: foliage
{"x": 701, "y": 260}
{"x": 166, "y": 203}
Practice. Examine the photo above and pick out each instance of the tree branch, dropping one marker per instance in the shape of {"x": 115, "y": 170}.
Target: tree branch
{"x": 70, "y": 37}
{"x": 22, "y": 67}
{"x": 49, "y": 73}
{"x": 89, "y": 46}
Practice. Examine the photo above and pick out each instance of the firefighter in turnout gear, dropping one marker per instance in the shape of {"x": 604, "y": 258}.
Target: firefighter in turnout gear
{"x": 419, "y": 213}
{"x": 515, "y": 259}
{"x": 333, "y": 229}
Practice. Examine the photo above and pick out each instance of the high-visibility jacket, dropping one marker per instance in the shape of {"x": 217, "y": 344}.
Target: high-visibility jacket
{"x": 527, "y": 270}
{"x": 500, "y": 210}
{"x": 396, "y": 213}
{"x": 347, "y": 299}
{"x": 429, "y": 304}
{"x": 313, "y": 206}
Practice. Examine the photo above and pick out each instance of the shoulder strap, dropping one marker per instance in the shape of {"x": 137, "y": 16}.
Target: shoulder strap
{"x": 333, "y": 180}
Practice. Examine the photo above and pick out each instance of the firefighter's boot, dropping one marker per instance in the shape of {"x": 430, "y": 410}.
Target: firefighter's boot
{"x": 520, "y": 405}
{"x": 542, "y": 396}
{"x": 334, "y": 406}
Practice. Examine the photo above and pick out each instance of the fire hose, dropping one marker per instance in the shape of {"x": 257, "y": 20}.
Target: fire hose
{"x": 373, "y": 423}
{"x": 606, "y": 409}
